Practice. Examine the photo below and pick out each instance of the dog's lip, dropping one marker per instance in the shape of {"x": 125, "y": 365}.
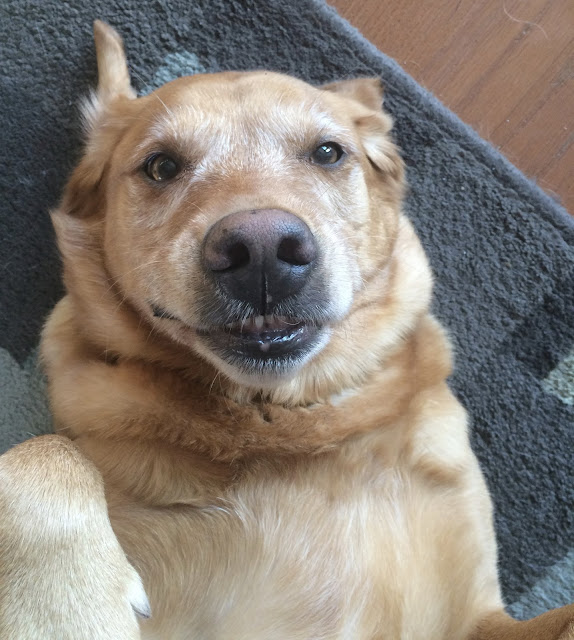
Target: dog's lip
{"x": 259, "y": 336}
{"x": 263, "y": 325}
{"x": 265, "y": 330}
{"x": 263, "y": 336}
{"x": 160, "y": 312}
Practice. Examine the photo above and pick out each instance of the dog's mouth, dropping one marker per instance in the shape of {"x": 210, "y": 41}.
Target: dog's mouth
{"x": 259, "y": 344}
{"x": 262, "y": 337}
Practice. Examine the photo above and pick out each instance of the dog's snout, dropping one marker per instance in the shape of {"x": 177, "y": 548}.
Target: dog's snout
{"x": 260, "y": 256}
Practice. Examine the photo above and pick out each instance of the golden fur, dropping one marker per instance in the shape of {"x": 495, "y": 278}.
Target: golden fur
{"x": 339, "y": 500}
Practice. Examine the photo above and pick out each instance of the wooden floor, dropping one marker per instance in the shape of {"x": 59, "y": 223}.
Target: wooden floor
{"x": 504, "y": 66}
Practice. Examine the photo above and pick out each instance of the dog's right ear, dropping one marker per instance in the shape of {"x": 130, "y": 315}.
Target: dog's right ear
{"x": 103, "y": 123}
{"x": 113, "y": 74}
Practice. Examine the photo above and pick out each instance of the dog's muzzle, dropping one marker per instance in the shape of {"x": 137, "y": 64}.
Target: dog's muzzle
{"x": 264, "y": 260}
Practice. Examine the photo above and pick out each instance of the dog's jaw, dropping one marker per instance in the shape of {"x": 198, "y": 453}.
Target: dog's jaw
{"x": 263, "y": 373}
{"x": 260, "y": 352}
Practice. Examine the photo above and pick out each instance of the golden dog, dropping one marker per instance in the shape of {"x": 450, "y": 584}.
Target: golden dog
{"x": 256, "y": 427}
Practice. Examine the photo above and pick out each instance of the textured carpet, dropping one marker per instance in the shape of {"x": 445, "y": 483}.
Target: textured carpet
{"x": 502, "y": 251}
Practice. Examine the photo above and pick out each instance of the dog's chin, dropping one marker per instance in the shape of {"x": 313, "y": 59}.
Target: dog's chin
{"x": 262, "y": 352}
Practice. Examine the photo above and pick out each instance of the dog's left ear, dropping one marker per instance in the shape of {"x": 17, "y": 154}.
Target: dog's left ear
{"x": 367, "y": 91}
{"x": 373, "y": 124}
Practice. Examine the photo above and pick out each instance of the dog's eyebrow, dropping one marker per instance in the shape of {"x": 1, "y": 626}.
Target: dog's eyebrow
{"x": 174, "y": 126}
{"x": 165, "y": 134}
{"x": 185, "y": 130}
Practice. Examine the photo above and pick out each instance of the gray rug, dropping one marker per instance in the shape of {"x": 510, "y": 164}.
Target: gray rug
{"x": 502, "y": 251}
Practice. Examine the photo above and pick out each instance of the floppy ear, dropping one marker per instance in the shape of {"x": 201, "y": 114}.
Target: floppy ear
{"x": 367, "y": 91}
{"x": 82, "y": 196}
{"x": 373, "y": 124}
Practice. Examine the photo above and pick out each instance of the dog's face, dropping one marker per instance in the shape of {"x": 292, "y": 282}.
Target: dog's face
{"x": 243, "y": 212}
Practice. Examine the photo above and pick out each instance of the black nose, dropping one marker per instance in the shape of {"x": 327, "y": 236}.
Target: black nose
{"x": 261, "y": 256}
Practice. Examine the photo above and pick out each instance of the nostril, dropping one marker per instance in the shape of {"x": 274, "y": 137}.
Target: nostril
{"x": 226, "y": 256}
{"x": 238, "y": 255}
{"x": 296, "y": 251}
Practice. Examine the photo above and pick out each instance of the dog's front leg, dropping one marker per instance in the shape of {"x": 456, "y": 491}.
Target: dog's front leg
{"x": 63, "y": 574}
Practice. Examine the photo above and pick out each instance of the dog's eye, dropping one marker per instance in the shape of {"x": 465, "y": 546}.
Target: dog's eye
{"x": 327, "y": 153}
{"x": 161, "y": 167}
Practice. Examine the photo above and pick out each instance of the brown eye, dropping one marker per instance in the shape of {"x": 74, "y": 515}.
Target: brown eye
{"x": 161, "y": 167}
{"x": 327, "y": 153}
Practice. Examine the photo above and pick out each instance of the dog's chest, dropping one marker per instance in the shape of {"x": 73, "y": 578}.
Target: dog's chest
{"x": 309, "y": 555}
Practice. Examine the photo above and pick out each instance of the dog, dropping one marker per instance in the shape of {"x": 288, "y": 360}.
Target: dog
{"x": 255, "y": 438}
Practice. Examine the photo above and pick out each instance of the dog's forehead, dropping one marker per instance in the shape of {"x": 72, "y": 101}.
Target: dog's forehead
{"x": 242, "y": 90}
{"x": 256, "y": 103}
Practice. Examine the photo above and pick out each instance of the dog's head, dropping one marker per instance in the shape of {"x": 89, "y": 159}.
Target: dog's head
{"x": 243, "y": 216}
